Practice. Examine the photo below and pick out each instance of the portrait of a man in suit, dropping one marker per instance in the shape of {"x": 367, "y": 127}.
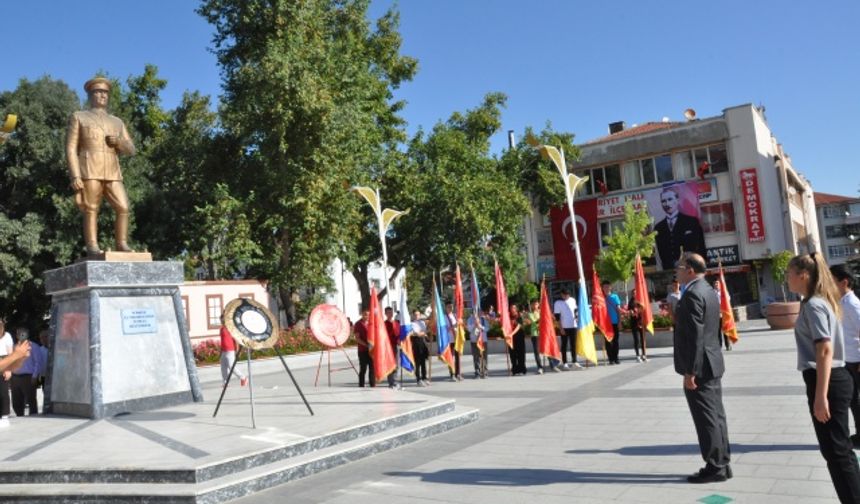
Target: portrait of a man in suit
{"x": 677, "y": 230}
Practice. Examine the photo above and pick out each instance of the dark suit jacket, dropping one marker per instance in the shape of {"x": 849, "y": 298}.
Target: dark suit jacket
{"x": 686, "y": 233}
{"x": 698, "y": 339}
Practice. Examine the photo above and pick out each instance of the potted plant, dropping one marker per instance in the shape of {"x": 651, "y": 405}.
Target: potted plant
{"x": 782, "y": 314}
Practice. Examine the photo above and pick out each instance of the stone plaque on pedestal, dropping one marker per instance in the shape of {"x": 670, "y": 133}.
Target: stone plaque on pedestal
{"x": 119, "y": 341}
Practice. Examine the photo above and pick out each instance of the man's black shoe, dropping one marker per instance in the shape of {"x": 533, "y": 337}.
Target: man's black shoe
{"x": 729, "y": 474}
{"x": 855, "y": 439}
{"x": 708, "y": 475}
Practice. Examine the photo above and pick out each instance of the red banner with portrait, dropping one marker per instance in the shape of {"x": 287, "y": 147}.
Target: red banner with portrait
{"x": 562, "y": 238}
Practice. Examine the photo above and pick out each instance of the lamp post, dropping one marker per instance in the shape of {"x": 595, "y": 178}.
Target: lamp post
{"x": 572, "y": 182}
{"x": 384, "y": 218}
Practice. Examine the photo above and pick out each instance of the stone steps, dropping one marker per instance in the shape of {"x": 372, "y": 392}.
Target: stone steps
{"x": 231, "y": 479}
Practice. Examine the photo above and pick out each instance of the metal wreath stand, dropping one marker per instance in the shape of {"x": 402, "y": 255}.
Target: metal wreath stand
{"x": 254, "y": 327}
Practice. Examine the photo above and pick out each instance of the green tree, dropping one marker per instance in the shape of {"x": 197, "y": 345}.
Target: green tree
{"x": 463, "y": 206}
{"x": 193, "y": 156}
{"x": 617, "y": 260}
{"x": 778, "y": 266}
{"x": 308, "y": 94}
{"x": 221, "y": 243}
{"x": 40, "y": 227}
{"x": 538, "y": 177}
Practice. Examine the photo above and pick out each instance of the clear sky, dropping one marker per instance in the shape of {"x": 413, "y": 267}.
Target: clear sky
{"x": 580, "y": 65}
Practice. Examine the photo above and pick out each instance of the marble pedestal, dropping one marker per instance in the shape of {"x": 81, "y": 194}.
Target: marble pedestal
{"x": 119, "y": 341}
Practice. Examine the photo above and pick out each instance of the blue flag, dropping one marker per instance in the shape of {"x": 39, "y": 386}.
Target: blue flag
{"x": 443, "y": 329}
{"x": 407, "y": 359}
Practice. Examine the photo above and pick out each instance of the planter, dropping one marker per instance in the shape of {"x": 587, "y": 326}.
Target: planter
{"x": 783, "y": 315}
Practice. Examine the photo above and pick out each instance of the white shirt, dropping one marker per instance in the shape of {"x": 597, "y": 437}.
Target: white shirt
{"x": 6, "y": 344}
{"x": 851, "y": 326}
{"x": 419, "y": 328}
{"x": 567, "y": 310}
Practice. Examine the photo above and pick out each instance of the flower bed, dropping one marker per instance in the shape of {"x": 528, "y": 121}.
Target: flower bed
{"x": 290, "y": 341}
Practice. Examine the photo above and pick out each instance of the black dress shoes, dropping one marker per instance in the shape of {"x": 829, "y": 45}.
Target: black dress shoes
{"x": 711, "y": 475}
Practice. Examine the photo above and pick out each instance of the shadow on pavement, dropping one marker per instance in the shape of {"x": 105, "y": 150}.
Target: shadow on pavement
{"x": 517, "y": 477}
{"x": 691, "y": 449}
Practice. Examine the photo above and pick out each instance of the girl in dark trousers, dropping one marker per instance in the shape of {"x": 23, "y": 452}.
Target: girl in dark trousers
{"x": 635, "y": 310}
{"x": 820, "y": 357}
{"x": 518, "y": 353}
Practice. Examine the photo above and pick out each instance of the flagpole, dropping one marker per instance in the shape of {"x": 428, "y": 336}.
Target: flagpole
{"x": 569, "y": 193}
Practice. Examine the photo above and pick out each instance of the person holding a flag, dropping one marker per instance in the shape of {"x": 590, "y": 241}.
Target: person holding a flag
{"x": 613, "y": 306}
{"x": 699, "y": 359}
{"x": 531, "y": 320}
{"x": 392, "y": 327}
{"x": 634, "y": 308}
{"x": 478, "y": 327}
{"x": 565, "y": 311}
{"x": 452, "y": 330}
{"x": 365, "y": 361}
{"x": 518, "y": 352}
{"x": 419, "y": 348}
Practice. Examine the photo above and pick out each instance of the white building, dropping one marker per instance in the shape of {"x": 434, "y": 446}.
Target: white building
{"x": 204, "y": 301}
{"x": 839, "y": 226}
{"x": 729, "y": 169}
{"x": 346, "y": 295}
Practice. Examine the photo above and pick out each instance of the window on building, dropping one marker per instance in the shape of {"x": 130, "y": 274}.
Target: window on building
{"x": 835, "y": 211}
{"x": 699, "y": 156}
{"x": 834, "y": 231}
{"x": 648, "y": 176}
{"x": 631, "y": 174}
{"x": 719, "y": 158}
{"x": 663, "y": 165}
{"x": 597, "y": 178}
{"x": 607, "y": 228}
{"x": 214, "y": 307}
{"x": 842, "y": 250}
{"x": 585, "y": 189}
{"x": 683, "y": 163}
{"x": 718, "y": 218}
{"x": 544, "y": 242}
{"x": 187, "y": 313}
{"x": 612, "y": 175}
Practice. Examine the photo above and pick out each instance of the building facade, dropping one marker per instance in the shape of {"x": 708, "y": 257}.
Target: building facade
{"x": 204, "y": 301}
{"x": 346, "y": 295}
{"x": 839, "y": 229}
{"x": 721, "y": 186}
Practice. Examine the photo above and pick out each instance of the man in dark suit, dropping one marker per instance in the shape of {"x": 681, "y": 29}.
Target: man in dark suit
{"x": 699, "y": 358}
{"x": 677, "y": 230}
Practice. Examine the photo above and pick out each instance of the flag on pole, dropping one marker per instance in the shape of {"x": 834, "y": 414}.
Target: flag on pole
{"x": 407, "y": 357}
{"x": 502, "y": 306}
{"x": 642, "y": 297}
{"x": 728, "y": 316}
{"x": 443, "y": 330}
{"x": 547, "y": 342}
{"x": 476, "y": 308}
{"x": 599, "y": 311}
{"x": 585, "y": 334}
{"x": 460, "y": 338}
{"x": 377, "y": 338}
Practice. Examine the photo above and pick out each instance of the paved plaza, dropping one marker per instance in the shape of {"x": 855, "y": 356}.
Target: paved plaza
{"x": 607, "y": 434}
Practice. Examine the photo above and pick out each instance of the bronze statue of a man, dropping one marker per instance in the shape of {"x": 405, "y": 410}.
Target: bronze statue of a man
{"x": 94, "y": 141}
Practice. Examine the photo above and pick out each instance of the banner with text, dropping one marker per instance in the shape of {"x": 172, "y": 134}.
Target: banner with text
{"x": 752, "y": 205}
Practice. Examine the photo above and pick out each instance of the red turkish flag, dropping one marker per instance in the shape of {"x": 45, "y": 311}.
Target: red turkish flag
{"x": 599, "y": 311}
{"x": 547, "y": 342}
{"x": 562, "y": 238}
{"x": 377, "y": 338}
